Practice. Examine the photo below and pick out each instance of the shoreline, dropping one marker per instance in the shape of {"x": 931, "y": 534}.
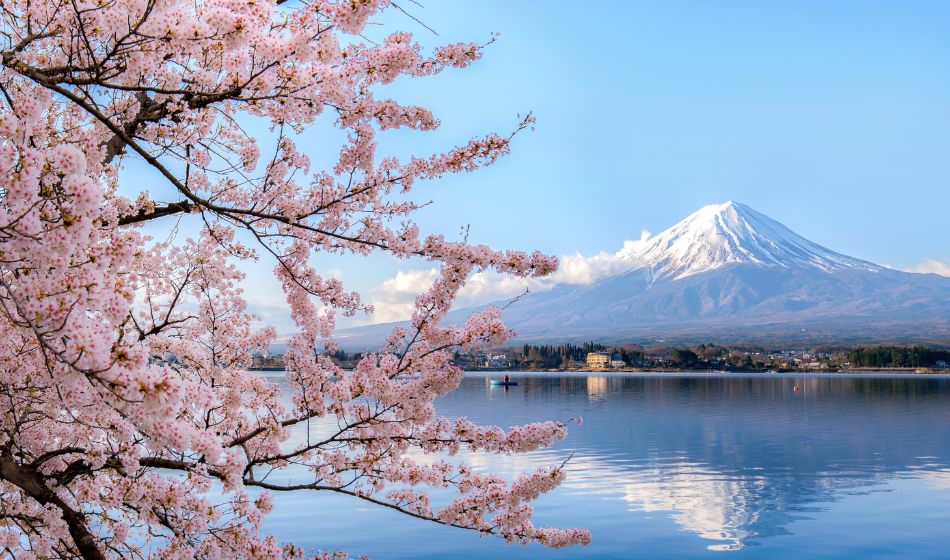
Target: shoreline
{"x": 869, "y": 371}
{"x": 850, "y": 371}
{"x": 883, "y": 372}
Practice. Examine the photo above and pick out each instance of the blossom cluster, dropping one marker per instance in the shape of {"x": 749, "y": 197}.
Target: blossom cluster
{"x": 131, "y": 426}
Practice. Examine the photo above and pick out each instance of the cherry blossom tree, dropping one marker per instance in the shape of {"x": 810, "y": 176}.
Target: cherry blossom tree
{"x": 130, "y": 424}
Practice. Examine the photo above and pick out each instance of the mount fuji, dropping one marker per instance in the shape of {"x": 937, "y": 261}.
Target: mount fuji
{"x": 730, "y": 273}
{"x": 721, "y": 235}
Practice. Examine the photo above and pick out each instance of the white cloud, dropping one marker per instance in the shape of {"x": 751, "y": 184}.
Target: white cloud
{"x": 932, "y": 265}
{"x": 578, "y": 269}
{"x": 491, "y": 286}
{"x": 393, "y": 299}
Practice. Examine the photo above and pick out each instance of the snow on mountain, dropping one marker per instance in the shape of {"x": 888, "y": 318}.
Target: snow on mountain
{"x": 732, "y": 233}
{"x": 728, "y": 272}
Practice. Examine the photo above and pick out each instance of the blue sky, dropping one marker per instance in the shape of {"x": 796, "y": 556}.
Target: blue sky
{"x": 831, "y": 117}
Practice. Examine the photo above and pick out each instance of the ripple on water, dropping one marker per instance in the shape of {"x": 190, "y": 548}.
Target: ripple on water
{"x": 692, "y": 466}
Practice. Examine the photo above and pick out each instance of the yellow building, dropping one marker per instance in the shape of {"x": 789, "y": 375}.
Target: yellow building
{"x": 598, "y": 359}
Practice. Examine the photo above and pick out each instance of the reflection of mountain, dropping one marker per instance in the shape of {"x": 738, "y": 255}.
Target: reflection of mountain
{"x": 733, "y": 460}
{"x": 702, "y": 501}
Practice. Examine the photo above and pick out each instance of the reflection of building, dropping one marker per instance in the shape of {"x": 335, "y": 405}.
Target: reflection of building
{"x": 596, "y": 387}
{"x": 598, "y": 359}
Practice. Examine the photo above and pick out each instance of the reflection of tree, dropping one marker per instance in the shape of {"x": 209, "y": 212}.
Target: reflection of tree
{"x": 733, "y": 459}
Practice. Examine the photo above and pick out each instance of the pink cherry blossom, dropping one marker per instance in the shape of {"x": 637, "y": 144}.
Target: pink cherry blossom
{"x": 131, "y": 426}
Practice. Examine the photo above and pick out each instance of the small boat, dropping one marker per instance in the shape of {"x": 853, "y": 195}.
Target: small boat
{"x": 504, "y": 383}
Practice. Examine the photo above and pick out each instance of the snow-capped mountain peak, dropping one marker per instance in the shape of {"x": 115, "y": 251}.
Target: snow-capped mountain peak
{"x": 732, "y": 233}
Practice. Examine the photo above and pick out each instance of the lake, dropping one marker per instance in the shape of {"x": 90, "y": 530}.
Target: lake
{"x": 693, "y": 466}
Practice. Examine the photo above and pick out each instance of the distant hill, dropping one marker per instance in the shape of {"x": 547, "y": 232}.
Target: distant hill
{"x": 730, "y": 273}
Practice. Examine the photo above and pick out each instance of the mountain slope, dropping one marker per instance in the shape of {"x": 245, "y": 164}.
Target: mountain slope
{"x": 728, "y": 272}
{"x": 732, "y": 233}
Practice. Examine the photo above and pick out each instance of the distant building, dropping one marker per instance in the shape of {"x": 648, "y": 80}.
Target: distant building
{"x": 598, "y": 359}
{"x": 266, "y": 362}
{"x": 497, "y": 361}
{"x": 942, "y": 364}
{"x": 616, "y": 361}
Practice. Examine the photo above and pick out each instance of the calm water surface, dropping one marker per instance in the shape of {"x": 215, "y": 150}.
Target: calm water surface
{"x": 694, "y": 466}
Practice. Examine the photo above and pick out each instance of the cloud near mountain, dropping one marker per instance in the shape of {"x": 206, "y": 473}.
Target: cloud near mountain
{"x": 393, "y": 298}
{"x": 932, "y": 266}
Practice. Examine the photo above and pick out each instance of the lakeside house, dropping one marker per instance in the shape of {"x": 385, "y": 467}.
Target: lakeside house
{"x": 497, "y": 361}
{"x": 598, "y": 359}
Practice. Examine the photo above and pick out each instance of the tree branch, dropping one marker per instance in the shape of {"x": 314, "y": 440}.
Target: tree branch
{"x": 31, "y": 483}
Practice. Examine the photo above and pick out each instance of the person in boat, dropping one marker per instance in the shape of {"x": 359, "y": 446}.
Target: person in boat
{"x": 507, "y": 379}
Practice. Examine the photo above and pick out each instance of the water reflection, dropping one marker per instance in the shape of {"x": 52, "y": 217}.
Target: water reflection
{"x": 757, "y": 466}
{"x": 596, "y": 387}
{"x": 733, "y": 460}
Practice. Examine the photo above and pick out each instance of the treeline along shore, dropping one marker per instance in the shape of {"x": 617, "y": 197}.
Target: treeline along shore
{"x": 591, "y": 356}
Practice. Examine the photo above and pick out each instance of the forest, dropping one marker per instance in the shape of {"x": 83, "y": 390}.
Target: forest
{"x": 896, "y": 356}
